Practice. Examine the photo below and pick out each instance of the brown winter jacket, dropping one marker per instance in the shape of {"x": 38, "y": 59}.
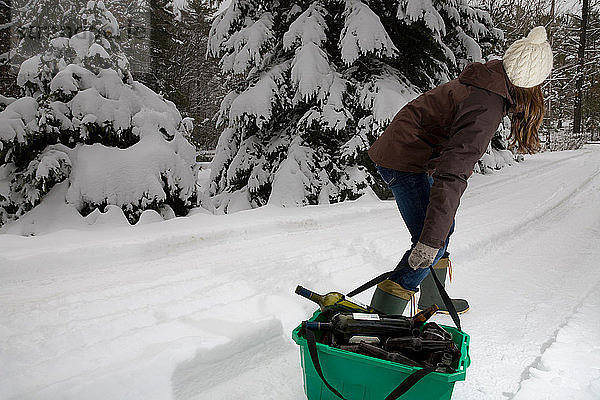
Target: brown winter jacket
{"x": 444, "y": 132}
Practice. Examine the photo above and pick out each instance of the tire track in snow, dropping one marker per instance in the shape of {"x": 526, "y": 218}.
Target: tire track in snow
{"x": 543, "y": 169}
{"x": 190, "y": 277}
{"x": 537, "y": 363}
{"x": 524, "y": 290}
{"x": 486, "y": 245}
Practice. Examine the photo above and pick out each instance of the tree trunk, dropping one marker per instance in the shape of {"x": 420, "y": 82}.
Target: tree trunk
{"x": 577, "y": 114}
{"x": 549, "y": 114}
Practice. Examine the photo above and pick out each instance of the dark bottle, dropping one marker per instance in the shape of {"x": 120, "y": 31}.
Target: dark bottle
{"x": 354, "y": 348}
{"x": 422, "y": 317}
{"x": 435, "y": 332}
{"x": 417, "y": 344}
{"x": 375, "y": 351}
{"x": 334, "y": 301}
{"x": 344, "y": 326}
{"x": 367, "y": 339}
{"x": 443, "y": 361}
{"x": 327, "y": 338}
{"x": 441, "y": 353}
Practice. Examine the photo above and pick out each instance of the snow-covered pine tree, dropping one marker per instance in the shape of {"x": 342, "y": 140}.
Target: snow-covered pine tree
{"x": 323, "y": 79}
{"x": 83, "y": 118}
{"x": 36, "y": 22}
{"x": 498, "y": 155}
{"x": 32, "y": 24}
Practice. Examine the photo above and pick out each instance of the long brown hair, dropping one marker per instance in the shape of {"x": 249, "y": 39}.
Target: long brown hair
{"x": 526, "y": 119}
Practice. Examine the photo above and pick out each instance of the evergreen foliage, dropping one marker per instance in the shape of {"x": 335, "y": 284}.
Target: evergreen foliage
{"x": 560, "y": 90}
{"x": 79, "y": 98}
{"x": 517, "y": 18}
{"x": 322, "y": 81}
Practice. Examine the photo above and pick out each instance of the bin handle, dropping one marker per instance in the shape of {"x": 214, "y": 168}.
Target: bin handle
{"x": 314, "y": 356}
{"x": 402, "y": 388}
{"x": 447, "y": 302}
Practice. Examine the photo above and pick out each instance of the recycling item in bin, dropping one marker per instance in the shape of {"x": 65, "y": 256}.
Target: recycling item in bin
{"x": 405, "y": 351}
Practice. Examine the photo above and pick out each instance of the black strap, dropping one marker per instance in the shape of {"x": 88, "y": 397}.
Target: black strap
{"x": 371, "y": 283}
{"x": 447, "y": 301}
{"x": 402, "y": 388}
{"x": 445, "y": 298}
{"x": 409, "y": 382}
{"x": 314, "y": 356}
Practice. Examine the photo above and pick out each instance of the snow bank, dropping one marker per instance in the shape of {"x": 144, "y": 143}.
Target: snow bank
{"x": 139, "y": 176}
{"x": 53, "y": 214}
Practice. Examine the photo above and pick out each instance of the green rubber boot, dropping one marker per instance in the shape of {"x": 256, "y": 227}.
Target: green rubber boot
{"x": 391, "y": 298}
{"x": 430, "y": 294}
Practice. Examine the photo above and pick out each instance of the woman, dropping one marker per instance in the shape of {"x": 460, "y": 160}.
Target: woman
{"x": 430, "y": 148}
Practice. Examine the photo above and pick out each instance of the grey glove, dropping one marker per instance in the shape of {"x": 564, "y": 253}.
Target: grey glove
{"x": 421, "y": 256}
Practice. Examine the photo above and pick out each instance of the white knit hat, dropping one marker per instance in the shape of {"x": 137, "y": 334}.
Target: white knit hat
{"x": 528, "y": 61}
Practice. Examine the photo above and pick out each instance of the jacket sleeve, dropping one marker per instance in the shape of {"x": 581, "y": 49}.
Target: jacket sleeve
{"x": 474, "y": 124}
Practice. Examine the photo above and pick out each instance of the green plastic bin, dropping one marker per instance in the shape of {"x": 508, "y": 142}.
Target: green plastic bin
{"x": 359, "y": 377}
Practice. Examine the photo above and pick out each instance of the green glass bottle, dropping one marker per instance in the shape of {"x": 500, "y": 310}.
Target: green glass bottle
{"x": 335, "y": 301}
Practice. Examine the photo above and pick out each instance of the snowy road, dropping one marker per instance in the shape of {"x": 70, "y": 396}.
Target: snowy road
{"x": 202, "y": 307}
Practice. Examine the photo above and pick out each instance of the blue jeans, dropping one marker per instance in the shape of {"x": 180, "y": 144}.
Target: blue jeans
{"x": 411, "y": 191}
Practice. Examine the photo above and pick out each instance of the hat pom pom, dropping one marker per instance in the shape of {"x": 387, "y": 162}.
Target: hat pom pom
{"x": 537, "y": 35}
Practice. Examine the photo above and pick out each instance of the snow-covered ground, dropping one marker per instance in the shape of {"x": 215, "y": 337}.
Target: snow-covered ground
{"x": 202, "y": 307}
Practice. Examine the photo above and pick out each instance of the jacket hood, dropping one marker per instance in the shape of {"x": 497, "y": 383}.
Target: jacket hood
{"x": 489, "y": 76}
